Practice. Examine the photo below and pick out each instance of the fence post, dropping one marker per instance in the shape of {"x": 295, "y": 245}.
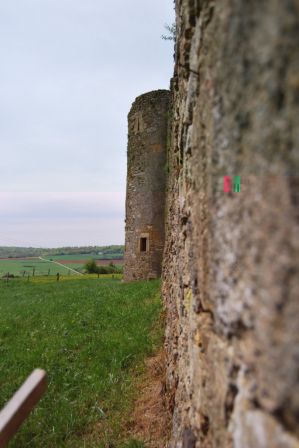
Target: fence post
{"x": 21, "y": 404}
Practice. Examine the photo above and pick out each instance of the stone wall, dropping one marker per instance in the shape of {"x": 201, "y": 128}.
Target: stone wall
{"x": 145, "y": 200}
{"x": 230, "y": 270}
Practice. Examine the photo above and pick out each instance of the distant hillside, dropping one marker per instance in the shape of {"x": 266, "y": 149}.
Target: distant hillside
{"x": 107, "y": 252}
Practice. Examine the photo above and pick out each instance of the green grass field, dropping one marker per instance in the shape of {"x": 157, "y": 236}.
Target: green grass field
{"x": 82, "y": 257}
{"x": 18, "y": 267}
{"x": 91, "y": 336}
{"x": 41, "y": 267}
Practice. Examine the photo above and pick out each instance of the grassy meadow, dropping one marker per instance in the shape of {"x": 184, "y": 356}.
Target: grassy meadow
{"x": 82, "y": 257}
{"x": 43, "y": 267}
{"x": 91, "y": 336}
{"x": 39, "y": 267}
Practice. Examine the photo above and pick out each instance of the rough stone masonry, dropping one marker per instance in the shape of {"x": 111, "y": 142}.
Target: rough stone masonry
{"x": 231, "y": 260}
{"x": 146, "y": 184}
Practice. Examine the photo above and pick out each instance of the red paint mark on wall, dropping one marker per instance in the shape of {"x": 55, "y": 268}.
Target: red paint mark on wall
{"x": 227, "y": 184}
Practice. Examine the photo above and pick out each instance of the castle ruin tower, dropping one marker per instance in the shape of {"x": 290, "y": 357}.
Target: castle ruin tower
{"x": 146, "y": 186}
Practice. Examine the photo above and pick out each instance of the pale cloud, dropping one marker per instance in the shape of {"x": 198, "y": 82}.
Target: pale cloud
{"x": 70, "y": 70}
{"x": 55, "y": 219}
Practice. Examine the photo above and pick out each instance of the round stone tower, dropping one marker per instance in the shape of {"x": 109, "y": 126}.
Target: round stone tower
{"x": 146, "y": 185}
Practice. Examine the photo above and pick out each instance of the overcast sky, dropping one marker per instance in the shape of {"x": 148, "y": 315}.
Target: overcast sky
{"x": 70, "y": 70}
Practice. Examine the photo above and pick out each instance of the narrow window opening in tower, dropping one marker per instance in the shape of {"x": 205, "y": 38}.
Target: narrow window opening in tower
{"x": 143, "y": 244}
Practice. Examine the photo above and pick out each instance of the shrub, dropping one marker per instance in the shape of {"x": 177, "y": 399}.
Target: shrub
{"x": 91, "y": 267}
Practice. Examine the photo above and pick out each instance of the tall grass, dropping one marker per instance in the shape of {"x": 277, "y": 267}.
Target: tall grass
{"x": 91, "y": 337}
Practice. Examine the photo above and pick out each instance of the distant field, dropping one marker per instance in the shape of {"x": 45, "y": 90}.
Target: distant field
{"x": 99, "y": 262}
{"x": 85, "y": 257}
{"x": 27, "y": 266}
{"x": 24, "y": 266}
{"x": 18, "y": 258}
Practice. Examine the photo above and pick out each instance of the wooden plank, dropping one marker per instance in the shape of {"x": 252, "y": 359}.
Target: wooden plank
{"x": 21, "y": 404}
